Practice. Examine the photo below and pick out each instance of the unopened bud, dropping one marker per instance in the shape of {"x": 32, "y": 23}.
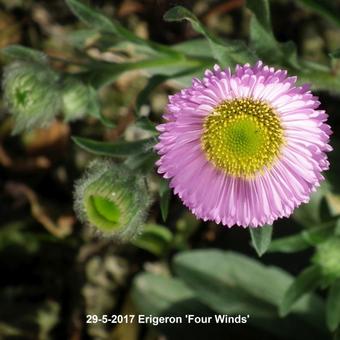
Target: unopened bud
{"x": 112, "y": 199}
{"x": 75, "y": 98}
{"x": 31, "y": 93}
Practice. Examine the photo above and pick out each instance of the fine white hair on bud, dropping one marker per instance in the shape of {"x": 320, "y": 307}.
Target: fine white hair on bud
{"x": 31, "y": 93}
{"x": 75, "y": 99}
{"x": 112, "y": 199}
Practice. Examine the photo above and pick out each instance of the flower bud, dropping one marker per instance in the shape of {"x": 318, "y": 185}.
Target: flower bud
{"x": 31, "y": 93}
{"x": 327, "y": 257}
{"x": 112, "y": 199}
{"x": 75, "y": 99}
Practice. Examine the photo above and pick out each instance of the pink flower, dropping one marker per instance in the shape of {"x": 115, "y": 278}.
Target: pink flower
{"x": 244, "y": 148}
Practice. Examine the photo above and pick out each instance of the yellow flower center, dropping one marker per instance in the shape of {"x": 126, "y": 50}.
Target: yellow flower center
{"x": 242, "y": 136}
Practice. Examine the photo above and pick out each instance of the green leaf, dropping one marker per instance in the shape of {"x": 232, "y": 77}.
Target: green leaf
{"x": 101, "y": 74}
{"x": 323, "y": 8}
{"x": 325, "y": 210}
{"x": 303, "y": 240}
{"x": 182, "y": 75}
{"x": 261, "y": 35}
{"x": 261, "y": 238}
{"x": 180, "y": 13}
{"x": 155, "y": 81}
{"x": 158, "y": 295}
{"x": 186, "y": 226}
{"x": 308, "y": 215}
{"x": 316, "y": 236}
{"x": 306, "y": 282}
{"x": 231, "y": 283}
{"x": 164, "y": 193}
{"x": 333, "y": 306}
{"x": 229, "y": 53}
{"x": 146, "y": 124}
{"x": 218, "y": 283}
{"x": 321, "y": 80}
{"x": 290, "y": 55}
{"x": 18, "y": 52}
{"x": 94, "y": 109}
{"x": 335, "y": 54}
{"x": 289, "y": 244}
{"x": 78, "y": 38}
{"x": 263, "y": 40}
{"x": 199, "y": 47}
{"x": 143, "y": 162}
{"x": 90, "y": 16}
{"x": 143, "y": 95}
{"x": 155, "y": 238}
{"x": 97, "y": 20}
{"x": 117, "y": 149}
{"x": 261, "y": 10}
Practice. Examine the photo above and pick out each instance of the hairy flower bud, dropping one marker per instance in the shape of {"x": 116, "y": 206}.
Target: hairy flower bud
{"x": 31, "y": 93}
{"x": 112, "y": 199}
{"x": 75, "y": 99}
{"x": 327, "y": 257}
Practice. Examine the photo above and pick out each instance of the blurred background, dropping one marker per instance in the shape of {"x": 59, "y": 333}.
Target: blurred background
{"x": 53, "y": 270}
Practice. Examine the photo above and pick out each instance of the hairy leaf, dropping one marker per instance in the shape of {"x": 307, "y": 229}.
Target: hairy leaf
{"x": 117, "y": 149}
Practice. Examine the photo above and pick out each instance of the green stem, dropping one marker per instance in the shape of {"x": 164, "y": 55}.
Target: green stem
{"x": 104, "y": 73}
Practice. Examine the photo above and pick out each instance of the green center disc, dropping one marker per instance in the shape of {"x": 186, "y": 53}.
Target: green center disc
{"x": 242, "y": 137}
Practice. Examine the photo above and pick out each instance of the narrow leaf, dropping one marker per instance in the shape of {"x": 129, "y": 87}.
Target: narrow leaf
{"x": 97, "y": 20}
{"x": 325, "y": 210}
{"x": 196, "y": 47}
{"x": 308, "y": 215}
{"x": 101, "y": 74}
{"x": 261, "y": 35}
{"x": 155, "y": 238}
{"x": 225, "y": 53}
{"x": 303, "y": 240}
{"x": 164, "y": 193}
{"x": 18, "y": 52}
{"x": 118, "y": 149}
{"x": 143, "y": 162}
{"x": 146, "y": 124}
{"x": 261, "y": 238}
{"x": 143, "y": 95}
{"x": 94, "y": 109}
{"x": 306, "y": 282}
{"x": 79, "y": 38}
{"x": 90, "y": 16}
{"x": 155, "y": 81}
{"x": 333, "y": 306}
{"x": 289, "y": 244}
{"x": 323, "y": 8}
{"x": 261, "y": 10}
{"x": 263, "y": 40}
{"x": 325, "y": 80}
